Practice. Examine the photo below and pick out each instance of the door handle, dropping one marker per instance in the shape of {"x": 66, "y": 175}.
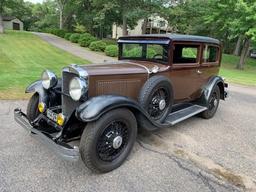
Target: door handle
{"x": 199, "y": 72}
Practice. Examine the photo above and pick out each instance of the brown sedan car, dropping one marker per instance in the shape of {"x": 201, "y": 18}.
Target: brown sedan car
{"x": 158, "y": 81}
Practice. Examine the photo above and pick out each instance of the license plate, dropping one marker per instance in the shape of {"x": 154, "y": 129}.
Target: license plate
{"x": 51, "y": 115}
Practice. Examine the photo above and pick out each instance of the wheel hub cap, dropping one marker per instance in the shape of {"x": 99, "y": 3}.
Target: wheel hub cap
{"x": 117, "y": 142}
{"x": 215, "y": 102}
{"x": 162, "y": 104}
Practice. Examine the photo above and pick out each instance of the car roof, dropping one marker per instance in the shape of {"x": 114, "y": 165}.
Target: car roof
{"x": 173, "y": 37}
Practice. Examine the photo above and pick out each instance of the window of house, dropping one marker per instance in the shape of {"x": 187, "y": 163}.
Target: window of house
{"x": 185, "y": 53}
{"x": 210, "y": 54}
{"x": 161, "y": 23}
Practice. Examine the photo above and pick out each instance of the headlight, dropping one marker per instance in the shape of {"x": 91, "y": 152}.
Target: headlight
{"x": 77, "y": 87}
{"x": 49, "y": 79}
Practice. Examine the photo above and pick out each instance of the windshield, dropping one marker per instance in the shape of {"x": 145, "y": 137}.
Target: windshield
{"x": 147, "y": 52}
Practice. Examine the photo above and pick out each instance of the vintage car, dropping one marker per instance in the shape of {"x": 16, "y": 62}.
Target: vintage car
{"x": 95, "y": 111}
{"x": 253, "y": 53}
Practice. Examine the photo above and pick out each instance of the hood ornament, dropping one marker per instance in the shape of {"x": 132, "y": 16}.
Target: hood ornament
{"x": 155, "y": 69}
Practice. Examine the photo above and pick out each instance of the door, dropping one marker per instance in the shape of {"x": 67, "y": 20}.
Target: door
{"x": 16, "y": 26}
{"x": 186, "y": 72}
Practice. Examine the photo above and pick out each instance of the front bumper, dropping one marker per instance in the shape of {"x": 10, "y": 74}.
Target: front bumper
{"x": 62, "y": 149}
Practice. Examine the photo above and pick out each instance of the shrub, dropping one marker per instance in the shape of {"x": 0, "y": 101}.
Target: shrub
{"x": 57, "y": 32}
{"x": 134, "y": 52}
{"x": 110, "y": 41}
{"x": 151, "y": 53}
{"x": 111, "y": 50}
{"x": 67, "y": 36}
{"x": 60, "y": 32}
{"x": 97, "y": 46}
{"x": 80, "y": 28}
{"x": 74, "y": 37}
{"x": 86, "y": 39}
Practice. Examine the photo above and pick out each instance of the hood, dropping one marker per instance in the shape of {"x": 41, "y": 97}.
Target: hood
{"x": 123, "y": 67}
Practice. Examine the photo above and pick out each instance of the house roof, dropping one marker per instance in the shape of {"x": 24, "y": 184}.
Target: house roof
{"x": 8, "y": 18}
{"x": 173, "y": 37}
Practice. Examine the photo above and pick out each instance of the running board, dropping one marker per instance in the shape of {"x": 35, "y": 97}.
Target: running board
{"x": 182, "y": 114}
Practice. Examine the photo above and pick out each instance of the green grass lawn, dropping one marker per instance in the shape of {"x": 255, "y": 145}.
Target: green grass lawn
{"x": 244, "y": 77}
{"x": 23, "y": 57}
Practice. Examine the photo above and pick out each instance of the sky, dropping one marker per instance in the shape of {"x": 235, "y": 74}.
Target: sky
{"x": 35, "y": 1}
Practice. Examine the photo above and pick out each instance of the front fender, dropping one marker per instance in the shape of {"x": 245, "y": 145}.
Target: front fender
{"x": 37, "y": 87}
{"x": 95, "y": 107}
{"x": 92, "y": 109}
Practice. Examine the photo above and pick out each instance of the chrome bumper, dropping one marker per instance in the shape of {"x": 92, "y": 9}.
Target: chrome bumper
{"x": 62, "y": 149}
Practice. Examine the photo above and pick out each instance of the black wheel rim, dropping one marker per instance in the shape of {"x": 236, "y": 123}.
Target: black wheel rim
{"x": 213, "y": 102}
{"x": 155, "y": 109}
{"x": 113, "y": 141}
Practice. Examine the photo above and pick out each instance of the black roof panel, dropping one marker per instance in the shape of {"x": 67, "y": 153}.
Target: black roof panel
{"x": 175, "y": 37}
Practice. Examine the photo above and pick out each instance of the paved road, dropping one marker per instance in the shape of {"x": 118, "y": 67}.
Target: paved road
{"x": 195, "y": 155}
{"x": 75, "y": 49}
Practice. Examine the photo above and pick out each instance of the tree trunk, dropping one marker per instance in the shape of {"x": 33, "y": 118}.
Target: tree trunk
{"x": 1, "y": 24}
{"x": 144, "y": 25}
{"x": 125, "y": 32}
{"x": 244, "y": 53}
{"x": 238, "y": 46}
{"x": 61, "y": 19}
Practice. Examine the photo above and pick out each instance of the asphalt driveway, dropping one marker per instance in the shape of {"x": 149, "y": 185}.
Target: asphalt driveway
{"x": 75, "y": 49}
{"x": 195, "y": 155}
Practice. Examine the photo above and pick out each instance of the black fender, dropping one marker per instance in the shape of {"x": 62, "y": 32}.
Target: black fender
{"x": 37, "y": 87}
{"x": 207, "y": 89}
{"x": 95, "y": 107}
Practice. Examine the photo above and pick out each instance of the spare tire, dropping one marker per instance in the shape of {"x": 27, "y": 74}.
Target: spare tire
{"x": 156, "y": 97}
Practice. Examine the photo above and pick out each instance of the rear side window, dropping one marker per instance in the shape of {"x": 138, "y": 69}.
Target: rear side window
{"x": 185, "y": 53}
{"x": 210, "y": 54}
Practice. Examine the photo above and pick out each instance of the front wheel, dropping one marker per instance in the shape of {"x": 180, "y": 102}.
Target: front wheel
{"x": 32, "y": 108}
{"x": 106, "y": 143}
{"x": 212, "y": 103}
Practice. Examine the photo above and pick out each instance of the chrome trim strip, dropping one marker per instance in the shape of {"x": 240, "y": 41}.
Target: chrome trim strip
{"x": 74, "y": 68}
{"x": 71, "y": 154}
{"x": 147, "y": 69}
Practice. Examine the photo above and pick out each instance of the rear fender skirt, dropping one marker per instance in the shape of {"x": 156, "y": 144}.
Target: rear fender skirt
{"x": 37, "y": 87}
{"x": 207, "y": 89}
{"x": 95, "y": 107}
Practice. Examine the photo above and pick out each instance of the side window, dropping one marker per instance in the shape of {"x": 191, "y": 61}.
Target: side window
{"x": 185, "y": 53}
{"x": 210, "y": 54}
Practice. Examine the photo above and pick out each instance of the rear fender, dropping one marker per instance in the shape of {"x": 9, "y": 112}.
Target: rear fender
{"x": 207, "y": 89}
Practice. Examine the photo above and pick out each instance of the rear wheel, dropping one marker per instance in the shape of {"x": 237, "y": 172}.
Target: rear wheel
{"x": 106, "y": 143}
{"x": 212, "y": 103}
{"x": 32, "y": 108}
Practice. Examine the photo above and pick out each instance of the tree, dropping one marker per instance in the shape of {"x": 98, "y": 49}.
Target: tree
{"x": 231, "y": 21}
{"x": 17, "y": 8}
{"x": 237, "y": 50}
{"x": 244, "y": 24}
{"x": 44, "y": 16}
{"x": 61, "y": 6}
{"x": 4, "y": 4}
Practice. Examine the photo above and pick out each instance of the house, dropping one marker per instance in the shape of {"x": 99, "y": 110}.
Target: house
{"x": 154, "y": 25}
{"x": 12, "y": 23}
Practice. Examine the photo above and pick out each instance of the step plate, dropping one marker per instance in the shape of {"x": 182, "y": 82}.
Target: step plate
{"x": 178, "y": 116}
